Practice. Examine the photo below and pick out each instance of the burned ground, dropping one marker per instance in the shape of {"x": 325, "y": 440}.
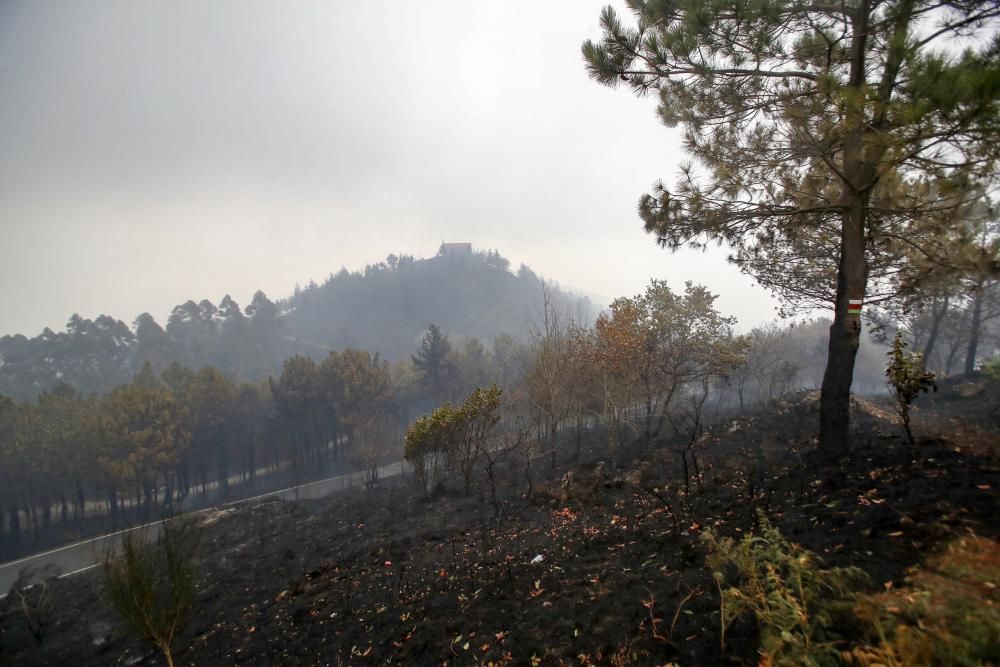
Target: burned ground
{"x": 605, "y": 569}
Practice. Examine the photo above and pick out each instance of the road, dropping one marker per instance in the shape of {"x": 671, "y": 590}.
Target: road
{"x": 84, "y": 555}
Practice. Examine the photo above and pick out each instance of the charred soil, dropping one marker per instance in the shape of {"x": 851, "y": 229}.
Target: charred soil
{"x": 601, "y": 566}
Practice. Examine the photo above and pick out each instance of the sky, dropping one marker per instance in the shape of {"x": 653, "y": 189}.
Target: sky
{"x": 155, "y": 152}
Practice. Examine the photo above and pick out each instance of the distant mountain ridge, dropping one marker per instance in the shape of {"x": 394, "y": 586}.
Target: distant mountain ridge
{"x": 384, "y": 308}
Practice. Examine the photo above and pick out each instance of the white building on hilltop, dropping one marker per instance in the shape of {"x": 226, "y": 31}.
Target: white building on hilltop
{"x": 447, "y": 249}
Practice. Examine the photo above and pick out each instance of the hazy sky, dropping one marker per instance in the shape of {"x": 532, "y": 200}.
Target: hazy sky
{"x": 154, "y": 152}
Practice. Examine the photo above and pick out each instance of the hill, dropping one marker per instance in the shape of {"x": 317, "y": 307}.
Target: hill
{"x": 388, "y": 307}
{"x": 385, "y": 308}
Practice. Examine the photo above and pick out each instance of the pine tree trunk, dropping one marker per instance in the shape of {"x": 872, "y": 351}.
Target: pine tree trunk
{"x": 81, "y": 504}
{"x": 845, "y": 336}
{"x": 936, "y": 318}
{"x": 14, "y": 522}
{"x": 63, "y": 509}
{"x": 977, "y": 313}
{"x": 113, "y": 504}
{"x": 852, "y": 273}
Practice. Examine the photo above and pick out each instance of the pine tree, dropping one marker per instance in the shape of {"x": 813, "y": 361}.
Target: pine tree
{"x": 814, "y": 127}
{"x": 433, "y": 363}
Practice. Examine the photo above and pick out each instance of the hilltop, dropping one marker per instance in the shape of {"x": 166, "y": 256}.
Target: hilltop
{"x": 387, "y": 307}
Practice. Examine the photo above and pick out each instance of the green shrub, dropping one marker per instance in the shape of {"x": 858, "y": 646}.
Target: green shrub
{"x": 429, "y": 445}
{"x": 454, "y": 437}
{"x": 801, "y": 608}
{"x": 991, "y": 369}
{"x": 907, "y": 378}
{"x": 151, "y": 585}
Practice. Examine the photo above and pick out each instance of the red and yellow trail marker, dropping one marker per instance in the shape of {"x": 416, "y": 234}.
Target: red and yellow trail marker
{"x": 854, "y": 307}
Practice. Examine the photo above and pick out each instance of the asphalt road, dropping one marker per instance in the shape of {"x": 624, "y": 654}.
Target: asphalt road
{"x": 84, "y": 555}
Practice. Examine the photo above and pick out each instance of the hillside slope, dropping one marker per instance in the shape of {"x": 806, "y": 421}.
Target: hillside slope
{"x": 603, "y": 566}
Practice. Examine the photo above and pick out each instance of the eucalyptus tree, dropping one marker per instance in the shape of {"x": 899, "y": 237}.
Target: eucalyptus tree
{"x": 815, "y": 127}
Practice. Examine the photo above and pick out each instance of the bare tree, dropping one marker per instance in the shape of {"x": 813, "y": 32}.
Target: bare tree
{"x": 551, "y": 380}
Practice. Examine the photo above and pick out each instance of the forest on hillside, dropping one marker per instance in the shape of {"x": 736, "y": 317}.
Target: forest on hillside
{"x": 385, "y": 308}
{"x": 659, "y": 363}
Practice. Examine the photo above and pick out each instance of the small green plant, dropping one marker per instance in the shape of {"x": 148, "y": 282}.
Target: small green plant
{"x": 455, "y": 436}
{"x": 908, "y": 379}
{"x": 429, "y": 445}
{"x": 991, "y": 369}
{"x": 800, "y": 607}
{"x": 151, "y": 585}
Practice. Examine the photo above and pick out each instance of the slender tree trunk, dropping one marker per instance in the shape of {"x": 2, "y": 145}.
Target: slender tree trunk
{"x": 222, "y": 463}
{"x": 977, "y": 314}
{"x": 81, "y": 504}
{"x": 113, "y": 504}
{"x": 579, "y": 436}
{"x": 46, "y": 512}
{"x": 553, "y": 428}
{"x": 14, "y": 522}
{"x": 63, "y": 509}
{"x": 937, "y": 316}
{"x": 252, "y": 463}
{"x": 32, "y": 511}
{"x": 147, "y": 506}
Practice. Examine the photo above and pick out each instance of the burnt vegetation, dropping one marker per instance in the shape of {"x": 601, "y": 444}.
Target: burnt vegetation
{"x": 596, "y": 563}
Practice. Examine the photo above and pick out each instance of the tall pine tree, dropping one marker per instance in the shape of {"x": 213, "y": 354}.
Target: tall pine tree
{"x": 811, "y": 120}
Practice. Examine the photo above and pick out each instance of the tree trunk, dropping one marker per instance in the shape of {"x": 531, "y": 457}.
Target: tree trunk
{"x": 63, "y": 509}
{"x": 936, "y": 318}
{"x": 222, "y": 467}
{"x": 113, "y": 508}
{"x": 977, "y": 314}
{"x": 553, "y": 434}
{"x": 14, "y": 522}
{"x": 845, "y": 334}
{"x": 81, "y": 504}
{"x": 46, "y": 512}
{"x": 32, "y": 513}
{"x": 579, "y": 436}
{"x": 852, "y": 272}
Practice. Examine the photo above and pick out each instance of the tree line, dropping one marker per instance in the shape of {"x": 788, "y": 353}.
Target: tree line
{"x": 658, "y": 365}
{"x": 151, "y": 443}
{"x": 385, "y": 307}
